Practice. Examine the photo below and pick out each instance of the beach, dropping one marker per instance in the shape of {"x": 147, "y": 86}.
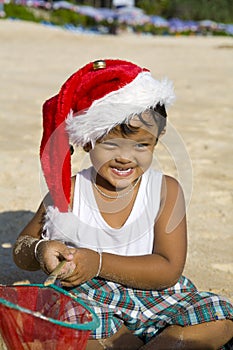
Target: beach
{"x": 197, "y": 149}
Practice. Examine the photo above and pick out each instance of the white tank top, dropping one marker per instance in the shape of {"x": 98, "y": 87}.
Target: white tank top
{"x": 86, "y": 227}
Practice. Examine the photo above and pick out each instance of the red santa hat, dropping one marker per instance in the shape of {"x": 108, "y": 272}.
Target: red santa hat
{"x": 91, "y": 102}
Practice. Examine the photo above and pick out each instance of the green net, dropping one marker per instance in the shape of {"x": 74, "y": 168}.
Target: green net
{"x": 33, "y": 317}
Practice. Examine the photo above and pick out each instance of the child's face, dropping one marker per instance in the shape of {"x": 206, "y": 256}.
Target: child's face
{"x": 120, "y": 159}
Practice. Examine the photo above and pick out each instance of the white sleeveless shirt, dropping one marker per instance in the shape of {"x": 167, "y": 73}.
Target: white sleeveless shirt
{"x": 88, "y": 229}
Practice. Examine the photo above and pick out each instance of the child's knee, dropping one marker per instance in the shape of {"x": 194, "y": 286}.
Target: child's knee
{"x": 121, "y": 340}
{"x": 208, "y": 335}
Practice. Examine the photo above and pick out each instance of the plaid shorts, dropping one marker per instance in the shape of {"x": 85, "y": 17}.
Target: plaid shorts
{"x": 147, "y": 313}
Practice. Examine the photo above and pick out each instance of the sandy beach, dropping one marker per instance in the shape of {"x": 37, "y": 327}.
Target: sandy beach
{"x": 35, "y": 60}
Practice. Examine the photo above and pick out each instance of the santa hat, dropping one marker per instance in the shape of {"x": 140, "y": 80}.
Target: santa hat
{"x": 91, "y": 102}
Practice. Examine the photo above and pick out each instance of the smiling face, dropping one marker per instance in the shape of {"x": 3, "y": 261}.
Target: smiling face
{"x": 119, "y": 159}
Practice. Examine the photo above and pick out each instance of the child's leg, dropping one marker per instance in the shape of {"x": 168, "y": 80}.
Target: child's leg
{"x": 209, "y": 336}
{"x": 122, "y": 340}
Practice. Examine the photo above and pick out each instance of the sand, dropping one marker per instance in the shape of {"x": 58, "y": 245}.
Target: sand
{"x": 35, "y": 60}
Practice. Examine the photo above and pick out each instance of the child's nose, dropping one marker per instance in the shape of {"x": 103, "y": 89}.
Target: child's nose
{"x": 124, "y": 155}
{"x": 123, "y": 160}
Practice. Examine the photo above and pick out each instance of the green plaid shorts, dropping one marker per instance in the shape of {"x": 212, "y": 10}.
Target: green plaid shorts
{"x": 147, "y": 313}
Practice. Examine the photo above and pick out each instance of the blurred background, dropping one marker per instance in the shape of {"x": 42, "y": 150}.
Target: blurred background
{"x": 150, "y": 17}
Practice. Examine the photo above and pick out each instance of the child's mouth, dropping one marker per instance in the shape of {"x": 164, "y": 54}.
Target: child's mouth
{"x": 122, "y": 172}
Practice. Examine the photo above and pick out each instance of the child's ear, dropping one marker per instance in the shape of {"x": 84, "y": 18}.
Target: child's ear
{"x": 87, "y": 147}
{"x": 160, "y": 135}
{"x": 163, "y": 131}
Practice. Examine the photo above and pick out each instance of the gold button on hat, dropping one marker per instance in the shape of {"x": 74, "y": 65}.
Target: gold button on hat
{"x": 99, "y": 64}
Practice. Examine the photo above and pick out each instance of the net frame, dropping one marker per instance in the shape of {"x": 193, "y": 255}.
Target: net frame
{"x": 91, "y": 325}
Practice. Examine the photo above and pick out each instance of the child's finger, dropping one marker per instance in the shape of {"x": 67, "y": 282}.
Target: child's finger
{"x": 66, "y": 253}
{"x": 66, "y": 270}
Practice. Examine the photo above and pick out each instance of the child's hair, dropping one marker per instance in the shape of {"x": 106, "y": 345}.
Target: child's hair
{"x": 159, "y": 115}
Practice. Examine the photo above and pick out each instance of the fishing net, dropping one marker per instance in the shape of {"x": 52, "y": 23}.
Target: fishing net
{"x": 32, "y": 317}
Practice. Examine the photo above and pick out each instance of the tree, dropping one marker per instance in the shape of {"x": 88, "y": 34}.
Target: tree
{"x": 216, "y": 10}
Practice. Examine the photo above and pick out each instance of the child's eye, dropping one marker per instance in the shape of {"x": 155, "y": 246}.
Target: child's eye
{"x": 142, "y": 145}
{"x": 109, "y": 144}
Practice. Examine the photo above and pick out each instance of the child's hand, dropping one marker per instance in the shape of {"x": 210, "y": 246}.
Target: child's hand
{"x": 87, "y": 265}
{"x": 50, "y": 253}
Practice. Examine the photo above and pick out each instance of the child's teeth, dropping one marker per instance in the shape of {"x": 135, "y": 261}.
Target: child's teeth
{"x": 123, "y": 170}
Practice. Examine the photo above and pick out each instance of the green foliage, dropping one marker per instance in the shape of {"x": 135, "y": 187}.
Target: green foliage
{"x": 216, "y": 10}
{"x": 151, "y": 7}
{"x": 57, "y": 17}
{"x": 149, "y": 28}
{"x": 20, "y": 12}
{"x": 63, "y": 16}
{"x": 184, "y": 9}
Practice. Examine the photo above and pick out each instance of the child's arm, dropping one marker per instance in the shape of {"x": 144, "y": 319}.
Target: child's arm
{"x": 53, "y": 251}
{"x": 155, "y": 271}
{"x": 23, "y": 250}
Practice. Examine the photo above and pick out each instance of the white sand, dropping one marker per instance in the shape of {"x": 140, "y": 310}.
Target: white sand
{"x": 35, "y": 60}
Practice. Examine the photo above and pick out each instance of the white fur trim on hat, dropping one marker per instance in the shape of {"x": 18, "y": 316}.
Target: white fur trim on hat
{"x": 59, "y": 225}
{"x": 117, "y": 106}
